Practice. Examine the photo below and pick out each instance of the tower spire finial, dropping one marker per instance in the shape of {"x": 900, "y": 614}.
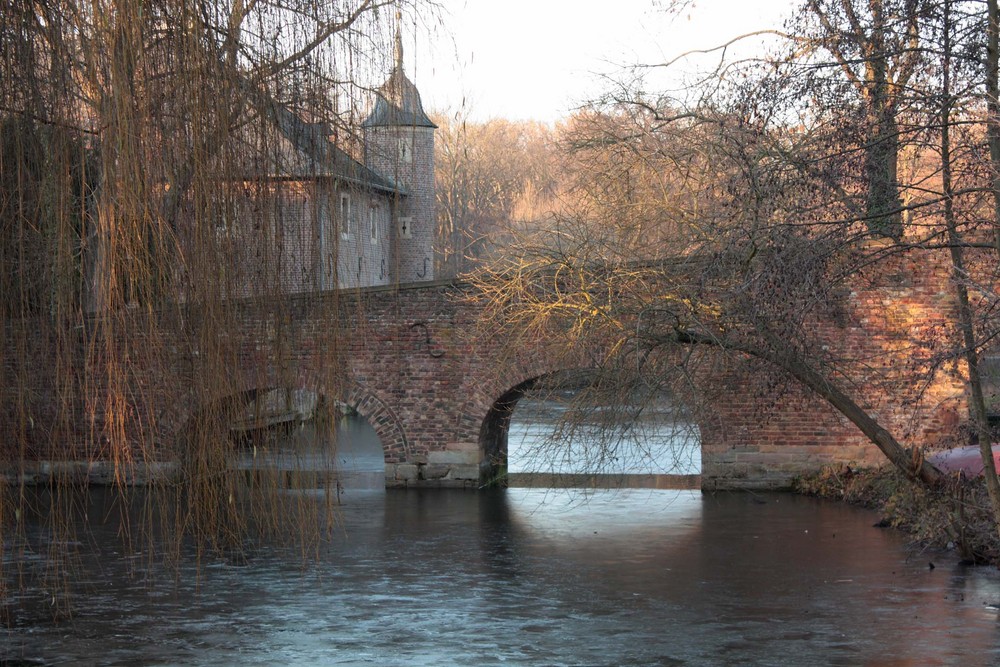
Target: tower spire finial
{"x": 399, "y": 40}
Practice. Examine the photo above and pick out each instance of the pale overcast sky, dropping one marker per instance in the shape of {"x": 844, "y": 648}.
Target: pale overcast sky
{"x": 538, "y": 59}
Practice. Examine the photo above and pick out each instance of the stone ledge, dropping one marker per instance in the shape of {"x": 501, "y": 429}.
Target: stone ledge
{"x": 432, "y": 484}
{"x": 33, "y": 473}
{"x": 602, "y": 481}
{"x": 454, "y": 456}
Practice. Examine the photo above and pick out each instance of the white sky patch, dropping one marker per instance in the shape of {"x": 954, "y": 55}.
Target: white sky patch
{"x": 540, "y": 59}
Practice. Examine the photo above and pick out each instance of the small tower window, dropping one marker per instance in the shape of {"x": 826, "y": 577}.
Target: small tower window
{"x": 373, "y": 224}
{"x": 405, "y": 150}
{"x": 406, "y": 227}
{"x": 345, "y": 215}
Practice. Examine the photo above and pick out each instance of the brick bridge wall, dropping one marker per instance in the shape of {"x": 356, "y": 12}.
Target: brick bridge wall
{"x": 436, "y": 392}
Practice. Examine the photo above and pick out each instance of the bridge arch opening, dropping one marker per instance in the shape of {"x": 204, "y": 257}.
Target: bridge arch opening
{"x": 300, "y": 436}
{"x": 578, "y": 429}
{"x": 359, "y": 455}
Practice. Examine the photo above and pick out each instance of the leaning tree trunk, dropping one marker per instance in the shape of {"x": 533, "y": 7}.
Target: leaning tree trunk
{"x": 979, "y": 413}
{"x": 913, "y": 466}
{"x": 958, "y": 261}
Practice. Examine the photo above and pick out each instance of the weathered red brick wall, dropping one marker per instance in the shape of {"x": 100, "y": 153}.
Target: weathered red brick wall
{"x": 426, "y": 378}
{"x": 893, "y": 349}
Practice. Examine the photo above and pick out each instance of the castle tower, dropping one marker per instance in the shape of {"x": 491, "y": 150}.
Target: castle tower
{"x": 399, "y": 144}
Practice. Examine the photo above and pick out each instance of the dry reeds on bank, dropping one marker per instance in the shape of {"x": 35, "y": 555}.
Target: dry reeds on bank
{"x": 955, "y": 516}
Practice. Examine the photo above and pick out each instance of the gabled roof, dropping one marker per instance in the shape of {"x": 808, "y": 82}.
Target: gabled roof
{"x": 320, "y": 157}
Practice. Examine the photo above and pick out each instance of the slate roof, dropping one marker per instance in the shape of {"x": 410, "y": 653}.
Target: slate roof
{"x": 320, "y": 157}
{"x": 397, "y": 102}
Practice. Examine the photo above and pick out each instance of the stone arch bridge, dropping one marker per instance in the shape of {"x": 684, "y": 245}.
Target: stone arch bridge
{"x": 440, "y": 399}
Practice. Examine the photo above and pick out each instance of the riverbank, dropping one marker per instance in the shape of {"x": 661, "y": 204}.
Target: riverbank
{"x": 954, "y": 517}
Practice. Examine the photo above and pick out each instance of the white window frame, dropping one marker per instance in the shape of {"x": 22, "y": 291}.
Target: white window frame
{"x": 346, "y": 216}
{"x": 373, "y": 223}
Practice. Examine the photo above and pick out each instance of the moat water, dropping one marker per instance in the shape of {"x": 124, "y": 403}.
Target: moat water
{"x": 522, "y": 576}
{"x": 526, "y": 577}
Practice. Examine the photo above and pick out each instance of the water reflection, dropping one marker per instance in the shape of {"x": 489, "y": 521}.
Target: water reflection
{"x": 533, "y": 577}
{"x": 353, "y": 453}
{"x": 360, "y": 460}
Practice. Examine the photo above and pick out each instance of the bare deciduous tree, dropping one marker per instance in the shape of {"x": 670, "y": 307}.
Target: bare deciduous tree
{"x": 791, "y": 189}
{"x": 486, "y": 174}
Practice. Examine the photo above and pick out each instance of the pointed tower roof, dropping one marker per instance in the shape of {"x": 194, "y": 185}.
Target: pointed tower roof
{"x": 397, "y": 102}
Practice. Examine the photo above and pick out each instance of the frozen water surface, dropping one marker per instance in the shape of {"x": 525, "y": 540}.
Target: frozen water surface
{"x": 530, "y": 577}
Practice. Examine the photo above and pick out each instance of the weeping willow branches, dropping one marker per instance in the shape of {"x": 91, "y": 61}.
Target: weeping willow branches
{"x": 147, "y": 183}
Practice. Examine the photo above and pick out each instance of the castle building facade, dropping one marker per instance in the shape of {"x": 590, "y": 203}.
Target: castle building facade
{"x": 361, "y": 224}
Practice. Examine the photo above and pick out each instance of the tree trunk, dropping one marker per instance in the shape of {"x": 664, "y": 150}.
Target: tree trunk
{"x": 882, "y": 145}
{"x": 993, "y": 106}
{"x": 883, "y": 212}
{"x": 960, "y": 275}
{"x": 908, "y": 462}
